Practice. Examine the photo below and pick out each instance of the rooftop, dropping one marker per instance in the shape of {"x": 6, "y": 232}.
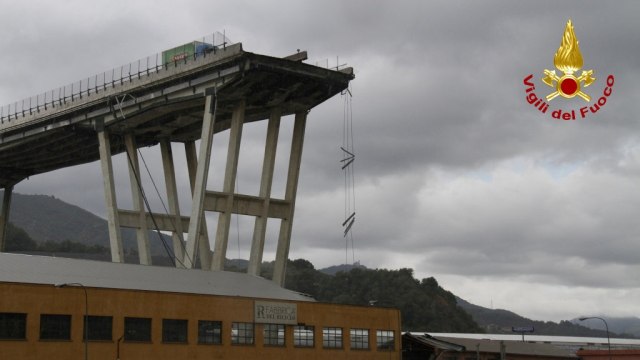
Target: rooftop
{"x": 45, "y": 270}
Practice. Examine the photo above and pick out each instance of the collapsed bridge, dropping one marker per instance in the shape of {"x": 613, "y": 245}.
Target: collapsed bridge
{"x": 186, "y": 97}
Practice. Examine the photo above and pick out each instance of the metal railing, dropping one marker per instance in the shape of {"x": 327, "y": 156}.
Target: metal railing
{"x": 151, "y": 64}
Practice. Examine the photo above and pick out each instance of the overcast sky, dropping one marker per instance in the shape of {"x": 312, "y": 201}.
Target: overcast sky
{"x": 457, "y": 175}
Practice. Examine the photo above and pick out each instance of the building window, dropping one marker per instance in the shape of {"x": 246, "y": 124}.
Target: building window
{"x": 303, "y": 336}
{"x": 174, "y": 331}
{"x": 242, "y": 333}
{"x": 99, "y": 327}
{"x": 332, "y": 337}
{"x": 55, "y": 327}
{"x": 209, "y": 332}
{"x": 385, "y": 340}
{"x": 359, "y": 338}
{"x": 13, "y": 326}
{"x": 137, "y": 329}
{"x": 273, "y": 334}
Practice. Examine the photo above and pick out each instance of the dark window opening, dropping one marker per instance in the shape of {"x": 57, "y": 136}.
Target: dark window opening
{"x": 55, "y": 327}
{"x": 209, "y": 332}
{"x": 13, "y": 326}
{"x": 100, "y": 328}
{"x": 174, "y": 331}
{"x": 137, "y": 329}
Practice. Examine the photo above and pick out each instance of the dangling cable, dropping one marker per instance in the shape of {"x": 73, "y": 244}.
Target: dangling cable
{"x": 173, "y": 225}
{"x": 347, "y": 161}
{"x": 169, "y": 252}
{"x": 235, "y": 200}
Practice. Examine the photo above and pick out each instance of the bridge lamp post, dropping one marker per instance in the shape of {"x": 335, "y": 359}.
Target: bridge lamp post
{"x": 606, "y": 327}
{"x": 86, "y": 315}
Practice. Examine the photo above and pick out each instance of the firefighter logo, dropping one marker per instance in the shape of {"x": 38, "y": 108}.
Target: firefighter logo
{"x": 568, "y": 60}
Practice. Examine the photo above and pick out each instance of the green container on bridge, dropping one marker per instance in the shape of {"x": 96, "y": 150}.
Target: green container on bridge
{"x": 186, "y": 51}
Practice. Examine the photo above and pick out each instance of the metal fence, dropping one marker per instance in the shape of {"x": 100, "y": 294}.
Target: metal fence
{"x": 202, "y": 47}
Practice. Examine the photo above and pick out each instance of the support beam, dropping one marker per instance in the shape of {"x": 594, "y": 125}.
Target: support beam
{"x": 172, "y": 195}
{"x": 260, "y": 227}
{"x": 228, "y": 188}
{"x": 284, "y": 239}
{"x": 200, "y": 183}
{"x": 142, "y": 232}
{"x": 4, "y": 216}
{"x": 115, "y": 238}
{"x": 215, "y": 202}
{"x": 204, "y": 248}
{"x": 246, "y": 205}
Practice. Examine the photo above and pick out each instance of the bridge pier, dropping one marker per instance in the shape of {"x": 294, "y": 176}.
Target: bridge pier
{"x": 228, "y": 189}
{"x": 4, "y": 216}
{"x": 115, "y": 237}
{"x": 200, "y": 181}
{"x": 268, "y": 164}
{"x": 204, "y": 246}
{"x": 177, "y": 236}
{"x": 142, "y": 231}
{"x": 295, "y": 158}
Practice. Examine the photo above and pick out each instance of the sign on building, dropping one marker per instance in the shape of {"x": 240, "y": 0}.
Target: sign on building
{"x": 266, "y": 312}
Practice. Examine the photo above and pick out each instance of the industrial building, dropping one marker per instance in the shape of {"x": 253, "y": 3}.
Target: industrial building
{"x": 148, "y": 312}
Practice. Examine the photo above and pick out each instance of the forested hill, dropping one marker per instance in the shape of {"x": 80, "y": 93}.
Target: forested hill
{"x": 424, "y": 305}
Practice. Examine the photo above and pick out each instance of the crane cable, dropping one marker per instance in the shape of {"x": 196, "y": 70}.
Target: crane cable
{"x": 348, "y": 159}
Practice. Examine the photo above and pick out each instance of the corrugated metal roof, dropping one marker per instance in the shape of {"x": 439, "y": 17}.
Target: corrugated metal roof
{"x": 18, "y": 268}
{"x": 427, "y": 340}
{"x": 551, "y": 339}
{"x": 512, "y": 347}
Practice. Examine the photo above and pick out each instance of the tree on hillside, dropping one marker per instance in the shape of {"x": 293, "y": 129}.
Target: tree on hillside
{"x": 18, "y": 240}
{"x": 424, "y": 305}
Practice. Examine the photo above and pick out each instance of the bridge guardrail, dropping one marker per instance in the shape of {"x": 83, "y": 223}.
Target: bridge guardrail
{"x": 108, "y": 79}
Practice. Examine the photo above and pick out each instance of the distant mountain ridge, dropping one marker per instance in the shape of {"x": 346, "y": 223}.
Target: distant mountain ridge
{"x": 625, "y": 325}
{"x": 332, "y": 270}
{"x": 500, "y": 321}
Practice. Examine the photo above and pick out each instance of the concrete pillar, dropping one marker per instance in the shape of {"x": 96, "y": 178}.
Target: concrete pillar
{"x": 172, "y": 195}
{"x": 260, "y": 227}
{"x": 142, "y": 231}
{"x": 224, "y": 221}
{"x": 200, "y": 183}
{"x": 204, "y": 248}
{"x": 284, "y": 239}
{"x": 115, "y": 238}
{"x": 4, "y": 216}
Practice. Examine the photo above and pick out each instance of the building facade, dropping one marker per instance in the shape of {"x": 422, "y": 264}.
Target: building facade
{"x": 145, "y": 312}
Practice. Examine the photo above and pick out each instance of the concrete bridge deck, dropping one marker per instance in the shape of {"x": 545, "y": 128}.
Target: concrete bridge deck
{"x": 164, "y": 105}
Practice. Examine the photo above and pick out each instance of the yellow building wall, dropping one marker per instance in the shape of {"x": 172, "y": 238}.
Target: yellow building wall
{"x": 46, "y": 299}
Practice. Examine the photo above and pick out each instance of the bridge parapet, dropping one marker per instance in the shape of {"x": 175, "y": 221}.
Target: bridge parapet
{"x": 78, "y": 91}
